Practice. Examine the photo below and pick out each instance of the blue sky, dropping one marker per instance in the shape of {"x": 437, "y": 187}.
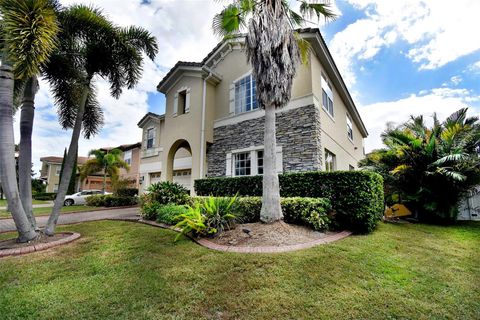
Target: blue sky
{"x": 397, "y": 58}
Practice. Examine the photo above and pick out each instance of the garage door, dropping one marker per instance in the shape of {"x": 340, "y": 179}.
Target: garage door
{"x": 155, "y": 177}
{"x": 183, "y": 177}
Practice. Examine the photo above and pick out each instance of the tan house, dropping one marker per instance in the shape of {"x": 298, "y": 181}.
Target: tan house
{"x": 213, "y": 126}
{"x": 131, "y": 155}
{"x": 51, "y": 168}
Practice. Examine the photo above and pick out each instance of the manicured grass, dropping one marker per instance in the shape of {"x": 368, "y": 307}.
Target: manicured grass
{"x": 120, "y": 270}
{"x": 3, "y": 202}
{"x": 46, "y": 211}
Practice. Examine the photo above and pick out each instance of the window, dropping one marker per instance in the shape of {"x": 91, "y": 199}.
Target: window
{"x": 260, "y": 162}
{"x": 127, "y": 157}
{"x": 182, "y": 102}
{"x": 329, "y": 161}
{"x": 245, "y": 95}
{"x": 58, "y": 170}
{"x": 327, "y": 96}
{"x": 349, "y": 128}
{"x": 150, "y": 138}
{"x": 243, "y": 164}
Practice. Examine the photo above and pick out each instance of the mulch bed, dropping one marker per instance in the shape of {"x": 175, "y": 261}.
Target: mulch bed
{"x": 261, "y": 235}
{"x": 11, "y": 247}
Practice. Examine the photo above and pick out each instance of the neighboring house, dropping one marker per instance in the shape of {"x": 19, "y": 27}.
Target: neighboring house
{"x": 131, "y": 155}
{"x": 50, "y": 172}
{"x": 213, "y": 126}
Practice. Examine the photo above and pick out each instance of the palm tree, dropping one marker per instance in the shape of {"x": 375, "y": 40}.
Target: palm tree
{"x": 274, "y": 50}
{"x": 28, "y": 30}
{"x": 430, "y": 168}
{"x": 108, "y": 162}
{"x": 89, "y": 46}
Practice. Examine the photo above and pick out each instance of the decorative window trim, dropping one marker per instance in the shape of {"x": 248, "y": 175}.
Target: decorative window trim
{"x": 328, "y": 89}
{"x": 187, "y": 101}
{"x": 154, "y": 130}
{"x": 253, "y": 150}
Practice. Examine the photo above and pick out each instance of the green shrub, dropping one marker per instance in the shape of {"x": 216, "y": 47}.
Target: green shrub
{"x": 312, "y": 212}
{"x": 218, "y": 213}
{"x": 44, "y": 196}
{"x": 109, "y": 200}
{"x": 149, "y": 208}
{"x": 126, "y": 192}
{"x": 168, "y": 192}
{"x": 96, "y": 201}
{"x": 169, "y": 213}
{"x": 356, "y": 196}
{"x": 192, "y": 221}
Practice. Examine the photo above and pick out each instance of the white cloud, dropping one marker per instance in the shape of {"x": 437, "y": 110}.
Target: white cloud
{"x": 443, "y": 101}
{"x": 474, "y": 67}
{"x": 437, "y": 32}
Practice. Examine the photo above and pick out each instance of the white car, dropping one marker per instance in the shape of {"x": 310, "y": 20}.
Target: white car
{"x": 79, "y": 197}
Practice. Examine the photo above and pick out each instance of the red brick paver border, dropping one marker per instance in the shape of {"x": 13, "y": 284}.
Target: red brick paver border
{"x": 40, "y": 246}
{"x": 267, "y": 249}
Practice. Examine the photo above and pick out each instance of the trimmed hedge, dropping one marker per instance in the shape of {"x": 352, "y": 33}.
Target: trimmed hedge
{"x": 109, "y": 200}
{"x": 126, "y": 192}
{"x": 356, "y": 196}
{"x": 312, "y": 212}
{"x": 44, "y": 196}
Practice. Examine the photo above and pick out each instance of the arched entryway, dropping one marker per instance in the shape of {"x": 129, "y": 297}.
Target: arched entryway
{"x": 179, "y": 164}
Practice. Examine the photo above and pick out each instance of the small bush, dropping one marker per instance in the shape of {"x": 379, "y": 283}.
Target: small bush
{"x": 192, "y": 221}
{"x": 219, "y": 214}
{"x": 126, "y": 192}
{"x": 356, "y": 196}
{"x": 109, "y": 200}
{"x": 149, "y": 208}
{"x": 169, "y": 213}
{"x": 168, "y": 192}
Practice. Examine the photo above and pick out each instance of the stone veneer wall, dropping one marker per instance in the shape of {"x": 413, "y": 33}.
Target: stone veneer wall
{"x": 298, "y": 133}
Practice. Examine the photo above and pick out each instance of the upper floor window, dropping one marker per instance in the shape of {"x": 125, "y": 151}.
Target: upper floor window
{"x": 127, "y": 157}
{"x": 330, "y": 161}
{"x": 245, "y": 95}
{"x": 349, "y": 128}
{"x": 150, "y": 138}
{"x": 182, "y": 101}
{"x": 58, "y": 170}
{"x": 327, "y": 96}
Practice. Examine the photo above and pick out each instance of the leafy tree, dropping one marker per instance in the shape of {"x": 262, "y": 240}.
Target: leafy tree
{"x": 273, "y": 49}
{"x": 28, "y": 30}
{"x": 107, "y": 162}
{"x": 430, "y": 168}
{"x": 90, "y": 46}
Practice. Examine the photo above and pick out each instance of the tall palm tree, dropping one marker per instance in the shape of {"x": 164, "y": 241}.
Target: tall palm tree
{"x": 430, "y": 168}
{"x": 28, "y": 30}
{"x": 274, "y": 50}
{"x": 89, "y": 46}
{"x": 108, "y": 162}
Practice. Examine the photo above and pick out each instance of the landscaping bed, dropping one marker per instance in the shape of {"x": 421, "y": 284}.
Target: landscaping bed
{"x": 261, "y": 235}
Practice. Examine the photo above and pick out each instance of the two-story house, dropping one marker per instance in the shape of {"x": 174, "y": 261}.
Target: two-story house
{"x": 51, "y": 169}
{"x": 131, "y": 155}
{"x": 213, "y": 126}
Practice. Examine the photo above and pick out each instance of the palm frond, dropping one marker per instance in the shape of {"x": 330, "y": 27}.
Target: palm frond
{"x": 30, "y": 30}
{"x": 304, "y": 48}
{"x": 318, "y": 10}
{"x": 456, "y": 157}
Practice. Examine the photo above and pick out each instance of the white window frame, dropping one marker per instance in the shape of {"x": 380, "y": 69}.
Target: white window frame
{"x": 127, "y": 157}
{"x": 349, "y": 127}
{"x": 186, "y": 106}
{"x": 58, "y": 170}
{"x": 327, "y": 88}
{"x": 253, "y": 98}
{"x": 230, "y": 160}
{"x": 334, "y": 161}
{"x": 153, "y": 138}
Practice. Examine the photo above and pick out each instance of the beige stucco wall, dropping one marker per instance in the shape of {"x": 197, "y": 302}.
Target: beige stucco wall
{"x": 52, "y": 178}
{"x": 334, "y": 130}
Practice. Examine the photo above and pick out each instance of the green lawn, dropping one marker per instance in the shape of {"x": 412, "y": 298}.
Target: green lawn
{"x": 46, "y": 211}
{"x": 120, "y": 270}
{"x": 3, "y": 202}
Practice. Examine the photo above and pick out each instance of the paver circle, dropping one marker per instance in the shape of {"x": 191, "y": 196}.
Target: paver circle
{"x": 34, "y": 247}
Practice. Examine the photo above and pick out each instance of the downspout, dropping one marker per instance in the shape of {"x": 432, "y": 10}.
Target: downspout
{"x": 202, "y": 133}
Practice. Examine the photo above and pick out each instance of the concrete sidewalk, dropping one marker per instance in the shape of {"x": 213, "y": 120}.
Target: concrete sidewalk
{"x": 125, "y": 213}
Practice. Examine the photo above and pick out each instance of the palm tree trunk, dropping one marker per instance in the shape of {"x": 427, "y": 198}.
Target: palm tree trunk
{"x": 25, "y": 151}
{"x": 271, "y": 209}
{"x": 68, "y": 167}
{"x": 7, "y": 157}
